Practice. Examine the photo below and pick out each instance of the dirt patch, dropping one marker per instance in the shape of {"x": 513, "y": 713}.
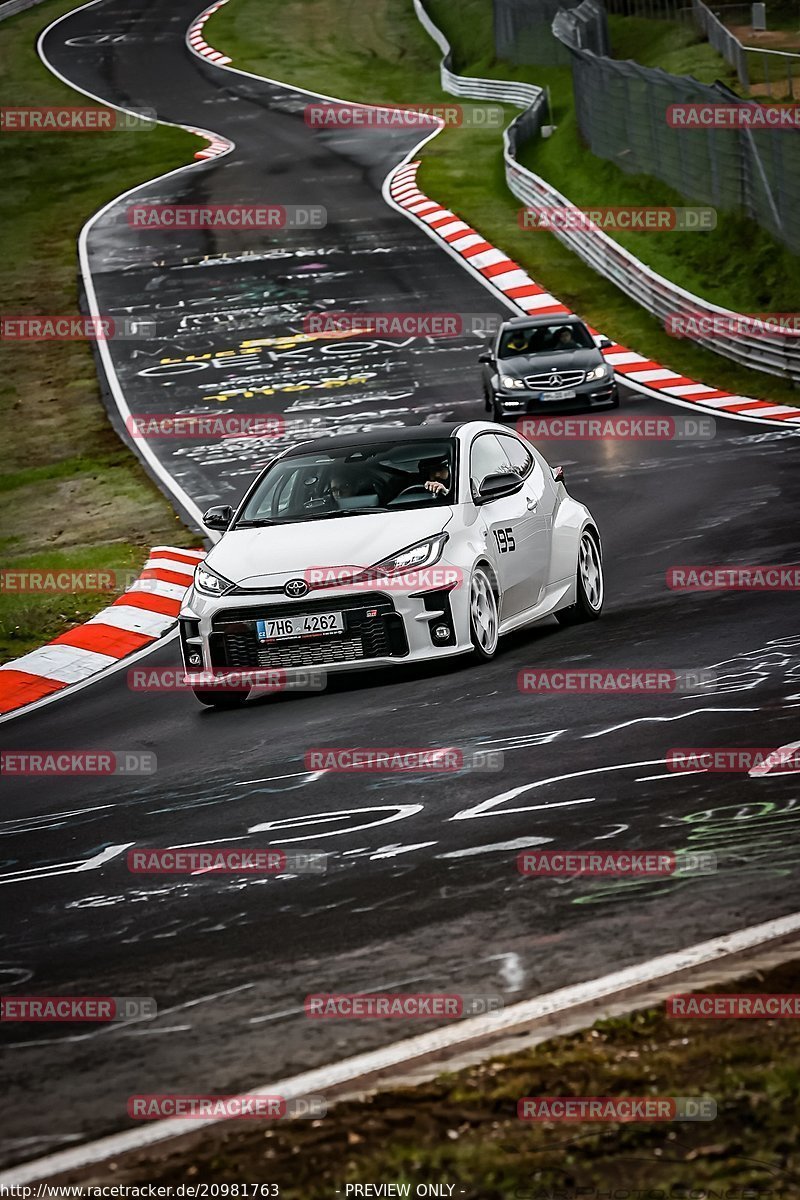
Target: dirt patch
{"x": 68, "y": 513}
{"x": 770, "y": 39}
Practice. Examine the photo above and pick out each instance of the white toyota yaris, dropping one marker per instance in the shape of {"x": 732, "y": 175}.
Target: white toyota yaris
{"x": 387, "y": 548}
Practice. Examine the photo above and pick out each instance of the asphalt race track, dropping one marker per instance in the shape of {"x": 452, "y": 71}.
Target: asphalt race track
{"x": 422, "y": 891}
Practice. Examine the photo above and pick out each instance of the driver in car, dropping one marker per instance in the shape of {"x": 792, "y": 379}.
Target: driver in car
{"x": 342, "y": 486}
{"x": 565, "y": 339}
{"x": 432, "y": 475}
{"x": 518, "y": 342}
{"x": 438, "y": 472}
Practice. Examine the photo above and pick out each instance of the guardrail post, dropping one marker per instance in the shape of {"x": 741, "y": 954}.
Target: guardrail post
{"x": 655, "y": 293}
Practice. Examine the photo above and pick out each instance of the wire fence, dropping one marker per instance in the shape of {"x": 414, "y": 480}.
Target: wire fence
{"x": 523, "y": 31}
{"x": 584, "y": 27}
{"x": 663, "y": 299}
{"x": 776, "y": 72}
{"x": 722, "y": 40}
{"x": 621, "y": 110}
{"x": 665, "y": 10}
{"x": 523, "y": 34}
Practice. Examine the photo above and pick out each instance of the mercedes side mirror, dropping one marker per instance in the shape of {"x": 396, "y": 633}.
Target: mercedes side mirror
{"x": 604, "y": 343}
{"x": 495, "y": 486}
{"x": 219, "y": 517}
{"x": 485, "y": 357}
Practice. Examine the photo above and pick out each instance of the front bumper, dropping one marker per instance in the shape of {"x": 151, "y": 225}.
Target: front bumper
{"x": 381, "y": 628}
{"x": 521, "y": 402}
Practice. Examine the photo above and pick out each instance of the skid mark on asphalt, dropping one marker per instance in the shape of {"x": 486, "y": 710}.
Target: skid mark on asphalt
{"x": 74, "y": 867}
{"x": 694, "y": 712}
{"x": 119, "y": 1026}
{"x": 47, "y": 820}
{"x": 386, "y": 985}
{"x": 521, "y": 843}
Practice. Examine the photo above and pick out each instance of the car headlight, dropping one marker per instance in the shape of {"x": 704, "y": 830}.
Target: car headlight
{"x": 508, "y": 381}
{"x": 421, "y": 554}
{"x": 598, "y": 372}
{"x": 209, "y": 583}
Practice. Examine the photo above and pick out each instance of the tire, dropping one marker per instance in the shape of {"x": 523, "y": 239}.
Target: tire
{"x": 220, "y": 699}
{"x": 589, "y": 583}
{"x": 484, "y": 616}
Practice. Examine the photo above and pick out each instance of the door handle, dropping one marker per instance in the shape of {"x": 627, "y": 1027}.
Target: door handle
{"x": 532, "y": 504}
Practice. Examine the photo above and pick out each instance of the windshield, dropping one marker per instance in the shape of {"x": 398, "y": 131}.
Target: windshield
{"x": 348, "y": 480}
{"x": 545, "y": 339}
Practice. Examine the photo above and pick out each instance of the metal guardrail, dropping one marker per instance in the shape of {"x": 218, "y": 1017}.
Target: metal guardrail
{"x": 776, "y": 354}
{"x": 585, "y": 27}
{"x": 722, "y": 40}
{"x": 12, "y": 7}
{"x": 507, "y": 92}
{"x": 778, "y": 66}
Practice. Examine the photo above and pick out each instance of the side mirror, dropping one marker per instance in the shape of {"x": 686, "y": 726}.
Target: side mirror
{"x": 495, "y": 486}
{"x": 486, "y": 357}
{"x": 604, "y": 343}
{"x": 558, "y": 475}
{"x": 219, "y": 517}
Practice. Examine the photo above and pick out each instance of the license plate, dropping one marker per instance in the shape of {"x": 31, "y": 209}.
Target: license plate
{"x": 301, "y": 626}
{"x": 558, "y": 395}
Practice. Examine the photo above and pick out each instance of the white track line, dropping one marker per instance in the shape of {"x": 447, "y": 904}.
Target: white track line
{"x": 120, "y": 400}
{"x": 434, "y": 1044}
{"x": 160, "y": 471}
{"x": 451, "y": 1037}
{"x": 433, "y": 234}
{"x": 214, "y": 139}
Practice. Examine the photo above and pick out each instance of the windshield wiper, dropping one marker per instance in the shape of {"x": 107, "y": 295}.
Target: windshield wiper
{"x": 352, "y": 512}
{"x": 256, "y": 524}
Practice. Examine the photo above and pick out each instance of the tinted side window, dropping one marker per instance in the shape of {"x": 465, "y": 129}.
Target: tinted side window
{"x": 487, "y": 457}
{"x": 520, "y": 458}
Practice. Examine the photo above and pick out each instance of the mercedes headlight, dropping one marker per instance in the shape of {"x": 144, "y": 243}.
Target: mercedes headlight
{"x": 508, "y": 381}
{"x": 598, "y": 372}
{"x": 421, "y": 554}
{"x": 209, "y": 583}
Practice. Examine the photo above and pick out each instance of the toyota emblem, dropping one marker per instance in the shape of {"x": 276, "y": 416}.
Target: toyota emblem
{"x": 296, "y": 588}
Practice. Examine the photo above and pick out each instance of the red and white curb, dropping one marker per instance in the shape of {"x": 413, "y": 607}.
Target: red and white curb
{"x": 217, "y": 146}
{"x": 502, "y": 273}
{"x": 198, "y": 42}
{"x": 142, "y": 615}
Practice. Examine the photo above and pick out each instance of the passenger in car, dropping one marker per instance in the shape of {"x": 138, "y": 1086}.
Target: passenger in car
{"x": 565, "y": 339}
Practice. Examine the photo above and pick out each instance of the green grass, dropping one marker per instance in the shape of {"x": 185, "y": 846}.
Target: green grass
{"x": 462, "y": 1129}
{"x": 737, "y": 265}
{"x": 380, "y": 53}
{"x": 27, "y": 620}
{"x": 70, "y": 487}
{"x": 672, "y": 45}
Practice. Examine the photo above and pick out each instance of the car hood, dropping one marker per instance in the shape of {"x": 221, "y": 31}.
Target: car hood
{"x": 538, "y": 364}
{"x": 266, "y": 557}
